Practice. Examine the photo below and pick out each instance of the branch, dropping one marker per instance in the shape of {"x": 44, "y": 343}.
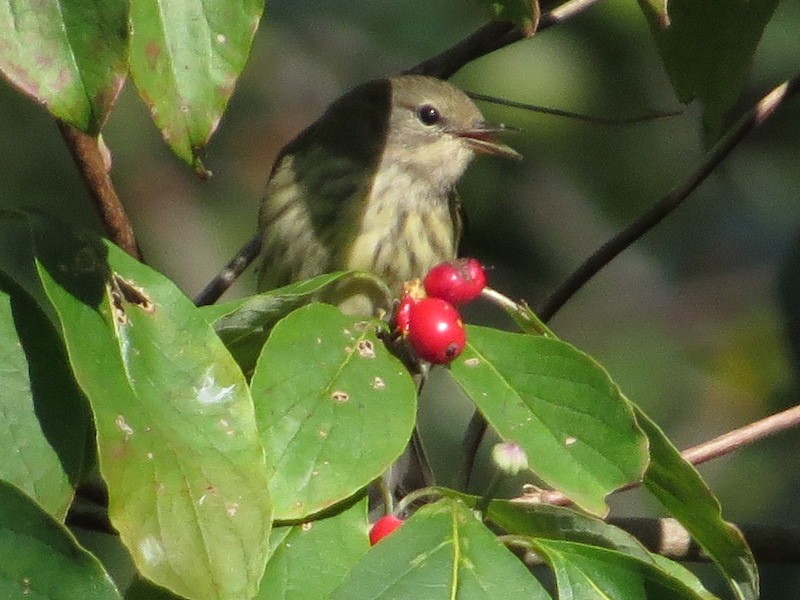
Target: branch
{"x": 696, "y": 455}
{"x": 91, "y": 159}
{"x": 491, "y": 37}
{"x": 230, "y": 272}
{"x": 485, "y": 40}
{"x": 670, "y": 539}
{"x": 625, "y": 238}
{"x": 744, "y": 436}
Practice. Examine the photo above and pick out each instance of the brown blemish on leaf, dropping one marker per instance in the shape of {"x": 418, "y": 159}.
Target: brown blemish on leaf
{"x": 152, "y": 52}
{"x": 340, "y": 396}
{"x": 366, "y": 349}
{"x": 133, "y": 294}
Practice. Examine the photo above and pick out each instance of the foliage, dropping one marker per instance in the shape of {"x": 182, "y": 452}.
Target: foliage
{"x": 236, "y": 442}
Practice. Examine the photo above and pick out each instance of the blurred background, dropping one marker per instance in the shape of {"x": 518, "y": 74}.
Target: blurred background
{"x": 691, "y": 321}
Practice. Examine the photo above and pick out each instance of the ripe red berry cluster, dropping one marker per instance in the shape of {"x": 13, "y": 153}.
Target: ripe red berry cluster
{"x": 427, "y": 315}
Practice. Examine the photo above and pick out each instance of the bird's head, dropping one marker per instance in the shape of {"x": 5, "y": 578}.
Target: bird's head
{"x": 437, "y": 129}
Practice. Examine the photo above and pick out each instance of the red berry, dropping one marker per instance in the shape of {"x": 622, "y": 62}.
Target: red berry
{"x": 435, "y": 330}
{"x": 402, "y": 316}
{"x": 383, "y": 527}
{"x": 456, "y": 281}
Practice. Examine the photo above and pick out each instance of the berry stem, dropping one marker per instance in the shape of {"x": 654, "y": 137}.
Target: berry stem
{"x": 519, "y": 312}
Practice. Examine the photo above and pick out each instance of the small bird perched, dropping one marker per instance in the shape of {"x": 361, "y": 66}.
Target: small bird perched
{"x": 370, "y": 187}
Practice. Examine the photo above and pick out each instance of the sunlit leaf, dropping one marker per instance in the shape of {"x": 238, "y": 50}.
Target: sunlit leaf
{"x": 327, "y": 547}
{"x": 177, "y": 441}
{"x": 444, "y": 552}
{"x": 678, "y": 486}
{"x": 185, "y": 58}
{"x": 334, "y": 408}
{"x": 560, "y": 406}
{"x": 559, "y": 523}
{"x": 68, "y": 56}
{"x": 589, "y": 572}
{"x": 244, "y": 324}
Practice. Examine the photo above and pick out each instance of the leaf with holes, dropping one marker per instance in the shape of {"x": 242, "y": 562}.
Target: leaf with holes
{"x": 177, "y": 440}
{"x": 334, "y": 408}
{"x": 560, "y": 406}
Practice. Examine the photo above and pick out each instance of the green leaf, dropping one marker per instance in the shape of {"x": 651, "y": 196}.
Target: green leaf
{"x": 681, "y": 573}
{"x": 334, "y": 408}
{"x": 44, "y": 422}
{"x": 177, "y": 440}
{"x": 707, "y": 49}
{"x": 328, "y": 548}
{"x": 444, "y": 552}
{"x": 185, "y": 57}
{"x": 41, "y": 559}
{"x": 541, "y": 521}
{"x": 588, "y": 572}
{"x": 143, "y": 589}
{"x": 681, "y": 490}
{"x": 244, "y": 324}
{"x": 560, "y": 406}
{"x": 522, "y": 13}
{"x": 16, "y": 258}
{"x": 68, "y": 56}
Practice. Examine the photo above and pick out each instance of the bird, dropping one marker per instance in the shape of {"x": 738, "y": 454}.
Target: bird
{"x": 370, "y": 186}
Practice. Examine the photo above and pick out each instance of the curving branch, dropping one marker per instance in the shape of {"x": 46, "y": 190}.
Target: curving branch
{"x": 491, "y": 37}
{"x": 755, "y": 117}
{"x": 91, "y": 159}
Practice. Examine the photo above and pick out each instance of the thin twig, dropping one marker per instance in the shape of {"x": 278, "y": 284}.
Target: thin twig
{"x": 491, "y": 37}
{"x": 230, "y": 272}
{"x": 94, "y": 166}
{"x": 668, "y": 538}
{"x": 744, "y": 436}
{"x": 487, "y": 39}
{"x": 699, "y": 454}
{"x": 558, "y": 112}
{"x": 625, "y": 238}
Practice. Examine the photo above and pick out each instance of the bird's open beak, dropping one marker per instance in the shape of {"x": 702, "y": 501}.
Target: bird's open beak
{"x": 481, "y": 139}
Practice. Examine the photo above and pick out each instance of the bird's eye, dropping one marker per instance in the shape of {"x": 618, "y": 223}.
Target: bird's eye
{"x": 428, "y": 114}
